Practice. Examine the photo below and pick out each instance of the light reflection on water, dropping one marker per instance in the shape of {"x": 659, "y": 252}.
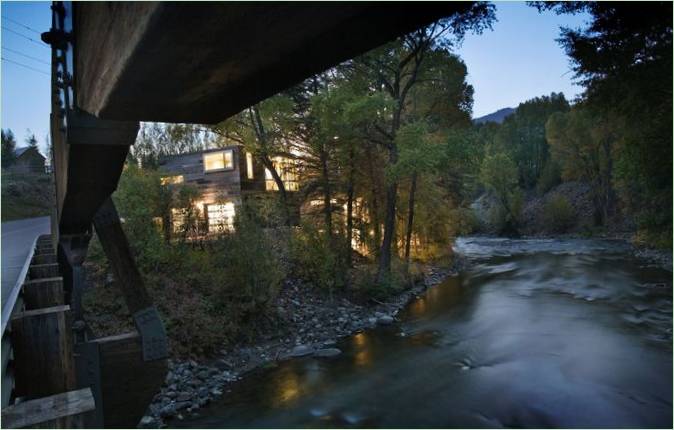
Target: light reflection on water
{"x": 537, "y": 334}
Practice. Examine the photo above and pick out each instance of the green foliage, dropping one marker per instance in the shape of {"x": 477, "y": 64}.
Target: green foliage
{"x": 624, "y": 59}
{"x": 251, "y": 271}
{"x": 499, "y": 174}
{"x": 8, "y": 147}
{"x": 138, "y": 202}
{"x": 522, "y": 135}
{"x": 558, "y": 214}
{"x": 551, "y": 176}
{"x": 31, "y": 140}
{"x": 26, "y": 195}
{"x": 582, "y": 143}
{"x": 316, "y": 260}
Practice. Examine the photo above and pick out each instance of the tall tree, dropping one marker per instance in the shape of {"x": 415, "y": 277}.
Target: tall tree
{"x": 392, "y": 72}
{"x": 8, "y": 148}
{"x": 522, "y": 135}
{"x": 31, "y": 140}
{"x": 624, "y": 59}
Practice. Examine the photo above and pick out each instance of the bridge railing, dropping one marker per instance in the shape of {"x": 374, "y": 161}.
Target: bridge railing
{"x": 10, "y": 307}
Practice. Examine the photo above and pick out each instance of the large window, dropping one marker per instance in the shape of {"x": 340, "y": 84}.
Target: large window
{"x": 287, "y": 170}
{"x": 178, "y": 218}
{"x": 220, "y": 217}
{"x": 168, "y": 180}
{"x": 221, "y": 160}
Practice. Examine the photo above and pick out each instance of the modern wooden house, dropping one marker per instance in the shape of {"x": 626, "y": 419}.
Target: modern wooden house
{"x": 28, "y": 160}
{"x": 224, "y": 177}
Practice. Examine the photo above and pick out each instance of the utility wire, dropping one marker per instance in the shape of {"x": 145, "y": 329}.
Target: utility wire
{"x": 26, "y": 37}
{"x": 27, "y": 56}
{"x": 26, "y": 66}
{"x": 22, "y": 25}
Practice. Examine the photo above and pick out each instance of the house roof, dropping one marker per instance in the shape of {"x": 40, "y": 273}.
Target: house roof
{"x": 20, "y": 151}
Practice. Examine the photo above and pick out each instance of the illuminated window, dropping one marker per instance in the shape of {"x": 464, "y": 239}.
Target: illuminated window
{"x": 178, "y": 219}
{"x": 287, "y": 170}
{"x": 221, "y": 160}
{"x": 168, "y": 180}
{"x": 220, "y": 217}
{"x": 249, "y": 165}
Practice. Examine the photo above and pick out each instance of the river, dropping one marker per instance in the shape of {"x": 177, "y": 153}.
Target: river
{"x": 535, "y": 333}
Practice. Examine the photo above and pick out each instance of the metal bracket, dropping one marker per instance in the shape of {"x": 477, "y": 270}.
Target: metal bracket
{"x": 152, "y": 333}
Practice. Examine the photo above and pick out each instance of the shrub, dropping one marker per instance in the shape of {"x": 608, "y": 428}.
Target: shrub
{"x": 316, "y": 260}
{"x": 249, "y": 273}
{"x": 558, "y": 214}
{"x": 550, "y": 177}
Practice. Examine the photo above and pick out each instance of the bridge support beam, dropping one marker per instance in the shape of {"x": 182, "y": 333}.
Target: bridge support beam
{"x": 43, "y": 352}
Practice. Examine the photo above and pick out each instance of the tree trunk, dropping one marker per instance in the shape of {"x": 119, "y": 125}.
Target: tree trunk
{"x": 410, "y": 221}
{"x": 349, "y": 210}
{"x": 283, "y": 196}
{"x": 384, "y": 269}
{"x": 327, "y": 195}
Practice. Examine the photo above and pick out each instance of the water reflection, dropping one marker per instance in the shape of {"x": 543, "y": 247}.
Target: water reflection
{"x": 287, "y": 389}
{"x": 536, "y": 334}
{"x": 362, "y": 355}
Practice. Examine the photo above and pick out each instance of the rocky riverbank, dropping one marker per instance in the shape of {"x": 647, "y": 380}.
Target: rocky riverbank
{"x": 310, "y": 324}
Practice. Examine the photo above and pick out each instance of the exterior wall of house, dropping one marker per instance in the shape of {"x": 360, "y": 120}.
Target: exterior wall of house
{"x": 30, "y": 161}
{"x": 222, "y": 191}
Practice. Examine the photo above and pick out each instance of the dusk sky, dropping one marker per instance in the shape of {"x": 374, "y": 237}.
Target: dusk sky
{"x": 518, "y": 60}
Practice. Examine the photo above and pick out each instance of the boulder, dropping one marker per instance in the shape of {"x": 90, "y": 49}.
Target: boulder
{"x": 328, "y": 352}
{"x": 385, "y": 320}
{"x": 301, "y": 351}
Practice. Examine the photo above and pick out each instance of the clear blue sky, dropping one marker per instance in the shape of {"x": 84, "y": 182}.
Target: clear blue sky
{"x": 518, "y": 60}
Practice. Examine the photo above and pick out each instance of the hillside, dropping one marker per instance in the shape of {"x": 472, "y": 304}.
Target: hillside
{"x": 26, "y": 196}
{"x": 496, "y": 117}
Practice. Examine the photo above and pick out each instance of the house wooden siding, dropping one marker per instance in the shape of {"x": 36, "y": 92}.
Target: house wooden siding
{"x": 28, "y": 160}
{"x": 220, "y": 185}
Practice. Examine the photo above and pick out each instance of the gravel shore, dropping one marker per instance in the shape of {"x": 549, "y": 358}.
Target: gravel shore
{"x": 311, "y": 324}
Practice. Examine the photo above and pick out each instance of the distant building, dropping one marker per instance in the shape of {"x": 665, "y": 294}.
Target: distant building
{"x": 28, "y": 160}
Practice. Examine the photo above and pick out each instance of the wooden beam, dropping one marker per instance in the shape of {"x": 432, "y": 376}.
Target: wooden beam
{"x": 128, "y": 383}
{"x": 45, "y": 258}
{"x": 138, "y": 301}
{"x": 43, "y": 293}
{"x": 64, "y": 410}
{"x": 37, "y": 271}
{"x": 43, "y": 358}
{"x": 116, "y": 247}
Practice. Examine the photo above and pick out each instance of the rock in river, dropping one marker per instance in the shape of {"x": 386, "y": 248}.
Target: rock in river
{"x": 328, "y": 352}
{"x": 385, "y": 320}
{"x": 301, "y": 351}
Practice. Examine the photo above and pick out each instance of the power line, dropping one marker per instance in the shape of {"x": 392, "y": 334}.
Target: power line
{"x": 27, "y": 56}
{"x": 26, "y": 37}
{"x": 26, "y": 66}
{"x": 22, "y": 25}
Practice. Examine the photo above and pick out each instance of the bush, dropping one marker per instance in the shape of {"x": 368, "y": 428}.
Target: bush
{"x": 550, "y": 177}
{"x": 316, "y": 260}
{"x": 558, "y": 214}
{"x": 249, "y": 269}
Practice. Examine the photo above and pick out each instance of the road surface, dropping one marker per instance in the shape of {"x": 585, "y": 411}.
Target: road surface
{"x": 17, "y": 238}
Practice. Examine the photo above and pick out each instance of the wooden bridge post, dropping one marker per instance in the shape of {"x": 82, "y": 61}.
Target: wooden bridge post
{"x": 43, "y": 352}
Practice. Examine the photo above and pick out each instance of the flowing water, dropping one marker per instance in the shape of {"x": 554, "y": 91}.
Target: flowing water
{"x": 536, "y": 333}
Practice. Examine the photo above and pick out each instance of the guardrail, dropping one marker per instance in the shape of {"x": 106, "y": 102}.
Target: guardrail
{"x": 13, "y": 305}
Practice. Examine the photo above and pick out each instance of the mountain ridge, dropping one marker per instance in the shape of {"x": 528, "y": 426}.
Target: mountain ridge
{"x": 496, "y": 117}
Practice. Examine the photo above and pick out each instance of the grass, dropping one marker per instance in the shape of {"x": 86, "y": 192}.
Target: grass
{"x": 26, "y": 196}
